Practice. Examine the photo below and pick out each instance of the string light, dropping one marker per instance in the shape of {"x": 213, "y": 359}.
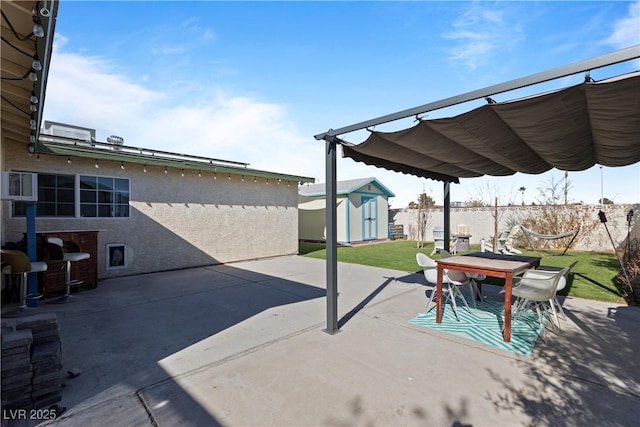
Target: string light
{"x": 199, "y": 173}
{"x": 97, "y": 165}
{"x": 255, "y": 179}
{"x": 38, "y": 31}
{"x": 34, "y": 102}
{"x": 144, "y": 169}
{"x": 69, "y": 160}
{"x": 165, "y": 170}
{"x": 215, "y": 176}
{"x": 229, "y": 176}
{"x": 36, "y": 64}
{"x": 182, "y": 172}
{"x": 122, "y": 165}
{"x": 242, "y": 178}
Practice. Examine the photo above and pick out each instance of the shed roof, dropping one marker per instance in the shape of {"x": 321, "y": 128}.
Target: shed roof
{"x": 344, "y": 187}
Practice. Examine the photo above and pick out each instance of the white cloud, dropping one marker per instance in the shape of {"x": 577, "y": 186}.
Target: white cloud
{"x": 88, "y": 91}
{"x": 479, "y": 32}
{"x": 626, "y": 31}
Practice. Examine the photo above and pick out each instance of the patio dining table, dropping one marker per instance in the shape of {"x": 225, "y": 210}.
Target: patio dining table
{"x": 489, "y": 264}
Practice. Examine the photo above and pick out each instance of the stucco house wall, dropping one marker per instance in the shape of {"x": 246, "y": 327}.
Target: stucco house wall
{"x": 175, "y": 221}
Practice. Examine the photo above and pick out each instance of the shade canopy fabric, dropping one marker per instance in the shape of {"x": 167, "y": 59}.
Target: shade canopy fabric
{"x": 571, "y": 129}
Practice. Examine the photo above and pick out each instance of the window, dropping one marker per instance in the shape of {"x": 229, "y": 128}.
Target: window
{"x": 56, "y": 197}
{"x": 99, "y": 197}
{"x": 104, "y": 197}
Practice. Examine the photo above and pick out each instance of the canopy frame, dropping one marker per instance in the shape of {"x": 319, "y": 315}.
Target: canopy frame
{"x": 332, "y": 140}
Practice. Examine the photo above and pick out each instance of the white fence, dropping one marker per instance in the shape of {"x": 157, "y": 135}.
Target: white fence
{"x": 480, "y": 222}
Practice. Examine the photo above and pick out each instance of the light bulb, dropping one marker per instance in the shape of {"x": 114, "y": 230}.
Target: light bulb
{"x": 32, "y": 124}
{"x": 69, "y": 160}
{"x": 122, "y": 165}
{"x": 34, "y": 98}
{"x": 33, "y": 107}
{"x": 36, "y": 64}
{"x": 38, "y": 31}
{"x": 33, "y": 76}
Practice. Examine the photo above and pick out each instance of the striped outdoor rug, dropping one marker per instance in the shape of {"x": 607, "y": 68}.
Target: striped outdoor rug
{"x": 484, "y": 325}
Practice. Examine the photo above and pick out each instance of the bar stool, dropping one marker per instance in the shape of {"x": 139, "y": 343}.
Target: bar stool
{"x": 69, "y": 257}
{"x": 19, "y": 263}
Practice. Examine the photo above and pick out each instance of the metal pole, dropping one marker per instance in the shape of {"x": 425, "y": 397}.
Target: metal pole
{"x": 601, "y": 188}
{"x": 332, "y": 237}
{"x": 32, "y": 287}
{"x": 447, "y": 216}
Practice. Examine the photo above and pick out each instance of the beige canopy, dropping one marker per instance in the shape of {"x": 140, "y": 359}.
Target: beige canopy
{"x": 570, "y": 129}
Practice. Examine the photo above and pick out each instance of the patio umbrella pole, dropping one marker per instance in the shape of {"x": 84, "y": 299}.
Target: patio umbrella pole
{"x": 603, "y": 220}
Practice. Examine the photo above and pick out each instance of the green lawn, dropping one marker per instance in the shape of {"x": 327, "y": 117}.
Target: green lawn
{"x": 593, "y": 277}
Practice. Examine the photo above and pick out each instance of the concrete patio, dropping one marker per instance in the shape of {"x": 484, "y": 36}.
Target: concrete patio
{"x": 242, "y": 345}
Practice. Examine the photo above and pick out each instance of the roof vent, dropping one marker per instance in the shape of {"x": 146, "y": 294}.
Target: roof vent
{"x": 116, "y": 141}
{"x": 69, "y": 131}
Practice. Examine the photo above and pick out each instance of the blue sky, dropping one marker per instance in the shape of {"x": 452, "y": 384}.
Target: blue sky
{"x": 254, "y": 81}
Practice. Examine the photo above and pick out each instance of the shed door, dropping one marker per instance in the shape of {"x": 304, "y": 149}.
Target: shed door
{"x": 369, "y": 218}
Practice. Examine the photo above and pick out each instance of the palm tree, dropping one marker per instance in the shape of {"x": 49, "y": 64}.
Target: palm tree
{"x": 522, "y": 190}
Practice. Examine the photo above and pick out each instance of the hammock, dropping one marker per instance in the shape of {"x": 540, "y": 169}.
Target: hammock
{"x": 550, "y": 236}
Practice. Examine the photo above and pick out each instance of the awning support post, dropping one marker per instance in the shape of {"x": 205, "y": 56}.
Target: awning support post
{"x": 331, "y": 238}
{"x": 447, "y": 216}
{"x": 32, "y": 282}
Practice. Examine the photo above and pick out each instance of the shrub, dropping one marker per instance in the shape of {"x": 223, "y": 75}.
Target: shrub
{"x": 630, "y": 282}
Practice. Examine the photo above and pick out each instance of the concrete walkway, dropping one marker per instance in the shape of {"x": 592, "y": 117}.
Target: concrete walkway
{"x": 242, "y": 345}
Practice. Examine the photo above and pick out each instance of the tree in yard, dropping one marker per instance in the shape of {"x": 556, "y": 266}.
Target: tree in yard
{"x": 423, "y": 216}
{"x": 605, "y": 201}
{"x": 556, "y": 215}
{"x": 490, "y": 196}
{"x": 522, "y": 190}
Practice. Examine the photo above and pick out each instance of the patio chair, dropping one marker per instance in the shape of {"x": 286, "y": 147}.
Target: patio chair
{"x": 438, "y": 239}
{"x": 561, "y": 284}
{"x": 451, "y": 282}
{"x": 71, "y": 253}
{"x": 474, "y": 289}
{"x": 17, "y": 262}
{"x": 505, "y": 243}
{"x": 537, "y": 288}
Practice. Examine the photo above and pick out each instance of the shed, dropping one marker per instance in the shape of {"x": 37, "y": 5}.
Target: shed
{"x": 362, "y": 211}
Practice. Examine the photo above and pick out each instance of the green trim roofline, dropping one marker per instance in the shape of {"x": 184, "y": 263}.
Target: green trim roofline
{"x": 60, "y": 146}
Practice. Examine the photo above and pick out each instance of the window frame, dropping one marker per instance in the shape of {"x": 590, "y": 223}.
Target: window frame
{"x": 113, "y": 204}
